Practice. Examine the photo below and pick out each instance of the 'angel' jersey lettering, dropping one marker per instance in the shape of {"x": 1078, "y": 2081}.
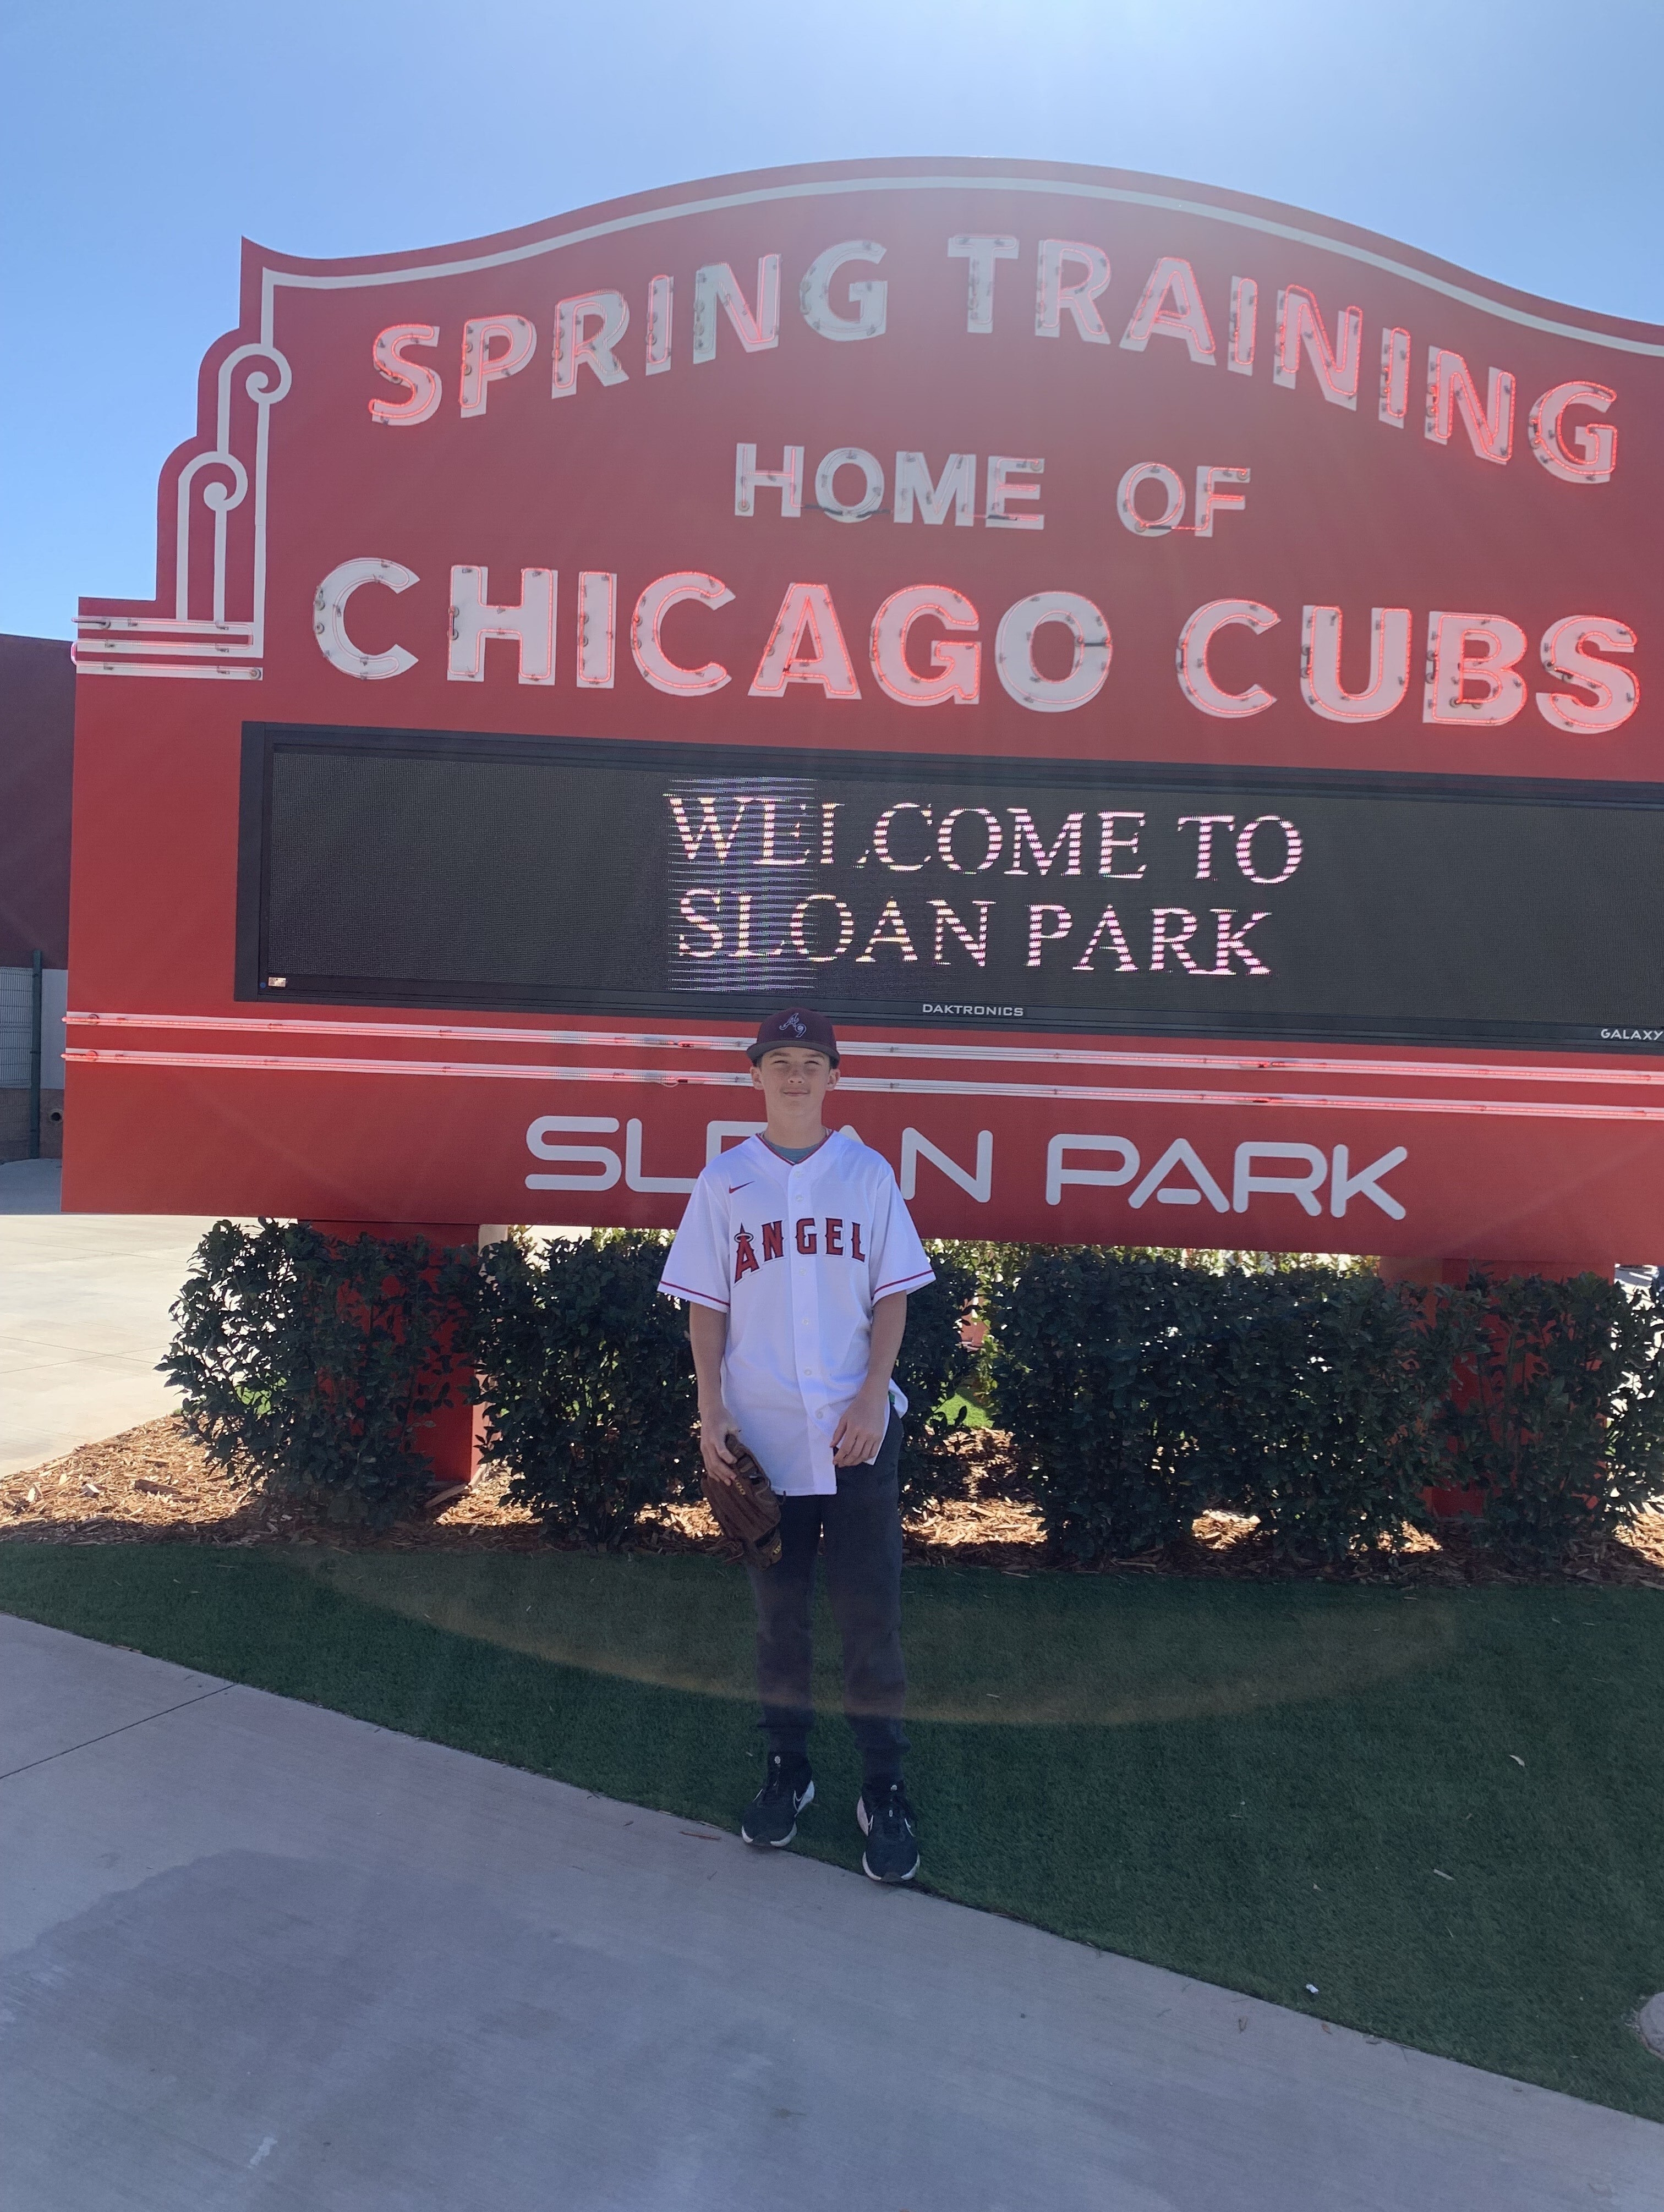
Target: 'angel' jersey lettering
{"x": 796, "y": 1256}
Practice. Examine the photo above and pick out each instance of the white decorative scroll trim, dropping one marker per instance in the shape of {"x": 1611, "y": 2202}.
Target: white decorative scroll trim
{"x": 214, "y": 484}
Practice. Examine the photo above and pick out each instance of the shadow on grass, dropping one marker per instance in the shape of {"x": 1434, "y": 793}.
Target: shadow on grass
{"x": 1051, "y": 1653}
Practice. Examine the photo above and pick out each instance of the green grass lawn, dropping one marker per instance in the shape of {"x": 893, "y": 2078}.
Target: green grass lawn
{"x": 1444, "y": 1809}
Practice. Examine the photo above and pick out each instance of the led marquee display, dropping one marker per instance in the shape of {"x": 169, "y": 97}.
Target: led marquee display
{"x": 400, "y": 867}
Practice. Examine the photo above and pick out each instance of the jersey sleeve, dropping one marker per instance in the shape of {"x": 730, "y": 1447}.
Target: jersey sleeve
{"x": 896, "y": 1259}
{"x": 698, "y": 1266}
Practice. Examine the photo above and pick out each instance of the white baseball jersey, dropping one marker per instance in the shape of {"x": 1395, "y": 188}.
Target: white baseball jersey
{"x": 796, "y": 1256}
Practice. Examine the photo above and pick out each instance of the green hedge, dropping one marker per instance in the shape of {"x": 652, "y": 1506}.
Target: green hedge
{"x": 586, "y": 1382}
{"x": 1137, "y": 1388}
{"x": 588, "y": 1385}
{"x": 1139, "y": 1392}
{"x": 934, "y": 1366}
{"x": 1552, "y": 1409}
{"x": 1095, "y": 1375}
{"x": 314, "y": 1366}
{"x": 1321, "y": 1410}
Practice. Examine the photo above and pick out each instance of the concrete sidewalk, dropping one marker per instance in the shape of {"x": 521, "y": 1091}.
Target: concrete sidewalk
{"x": 84, "y": 1316}
{"x": 258, "y": 1953}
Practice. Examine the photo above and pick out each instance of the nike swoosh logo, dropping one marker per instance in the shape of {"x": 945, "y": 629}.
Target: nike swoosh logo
{"x": 732, "y": 1187}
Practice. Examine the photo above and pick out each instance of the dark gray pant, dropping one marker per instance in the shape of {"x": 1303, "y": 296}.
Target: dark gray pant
{"x": 858, "y": 1532}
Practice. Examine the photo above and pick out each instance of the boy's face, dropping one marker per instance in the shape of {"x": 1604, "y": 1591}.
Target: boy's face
{"x": 797, "y": 1074}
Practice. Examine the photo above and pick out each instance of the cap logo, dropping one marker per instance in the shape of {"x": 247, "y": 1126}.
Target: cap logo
{"x": 794, "y": 1025}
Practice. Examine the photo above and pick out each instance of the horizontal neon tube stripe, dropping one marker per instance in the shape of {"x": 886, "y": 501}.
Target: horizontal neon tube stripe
{"x": 1030, "y": 1055}
{"x": 922, "y": 1086}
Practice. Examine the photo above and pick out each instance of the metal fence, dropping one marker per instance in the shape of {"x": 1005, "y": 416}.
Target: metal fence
{"x": 16, "y": 996}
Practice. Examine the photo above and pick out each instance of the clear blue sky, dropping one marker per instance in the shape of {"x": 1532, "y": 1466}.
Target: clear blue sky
{"x": 139, "y": 139}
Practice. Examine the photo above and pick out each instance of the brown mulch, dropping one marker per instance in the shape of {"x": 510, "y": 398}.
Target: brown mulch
{"x": 155, "y": 1485}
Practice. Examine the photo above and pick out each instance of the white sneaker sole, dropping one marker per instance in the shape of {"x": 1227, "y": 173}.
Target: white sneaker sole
{"x": 884, "y": 1880}
{"x": 779, "y": 1843}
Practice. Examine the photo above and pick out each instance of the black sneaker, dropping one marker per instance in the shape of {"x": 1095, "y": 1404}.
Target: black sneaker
{"x": 771, "y": 1816}
{"x": 889, "y": 1824}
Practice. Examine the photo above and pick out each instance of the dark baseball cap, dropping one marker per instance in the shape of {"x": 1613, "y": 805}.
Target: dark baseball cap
{"x": 799, "y": 1026}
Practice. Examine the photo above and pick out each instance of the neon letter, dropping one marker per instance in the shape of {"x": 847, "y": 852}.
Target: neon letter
{"x": 1002, "y": 467}
{"x": 663, "y": 673}
{"x": 660, "y": 307}
{"x": 1014, "y": 651}
{"x": 1597, "y": 442}
{"x": 1156, "y": 472}
{"x": 330, "y": 610}
{"x": 1450, "y": 387}
{"x": 826, "y": 483}
{"x": 1210, "y": 501}
{"x": 808, "y": 612}
{"x": 423, "y": 384}
{"x": 1194, "y": 679}
{"x": 981, "y": 253}
{"x": 577, "y": 347}
{"x": 1394, "y": 377}
{"x": 867, "y": 297}
{"x": 960, "y": 664}
{"x": 1298, "y": 322}
{"x": 481, "y": 367}
{"x": 1054, "y": 298}
{"x": 959, "y": 485}
{"x": 1186, "y": 318}
{"x": 716, "y": 285}
{"x": 598, "y": 615}
{"x": 1464, "y": 649}
{"x": 1616, "y": 694}
{"x": 531, "y": 625}
{"x": 1244, "y": 308}
{"x": 787, "y": 479}
{"x": 1319, "y": 665}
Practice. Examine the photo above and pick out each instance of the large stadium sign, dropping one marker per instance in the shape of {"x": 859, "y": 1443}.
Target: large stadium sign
{"x": 1167, "y": 673}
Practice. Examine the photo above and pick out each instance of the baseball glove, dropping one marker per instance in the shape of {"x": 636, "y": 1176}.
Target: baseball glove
{"x": 746, "y": 1511}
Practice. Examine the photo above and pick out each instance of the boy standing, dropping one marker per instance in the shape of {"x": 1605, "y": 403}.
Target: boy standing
{"x": 796, "y": 1255}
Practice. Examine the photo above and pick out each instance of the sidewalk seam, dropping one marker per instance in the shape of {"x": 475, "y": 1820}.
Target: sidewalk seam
{"x": 144, "y": 1719}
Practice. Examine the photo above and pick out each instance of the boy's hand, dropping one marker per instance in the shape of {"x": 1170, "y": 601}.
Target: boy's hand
{"x": 718, "y": 1430}
{"x": 857, "y": 1436}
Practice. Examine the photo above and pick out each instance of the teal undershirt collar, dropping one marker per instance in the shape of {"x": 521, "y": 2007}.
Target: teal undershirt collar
{"x": 794, "y": 1153}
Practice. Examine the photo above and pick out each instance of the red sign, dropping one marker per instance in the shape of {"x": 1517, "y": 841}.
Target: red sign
{"x": 1167, "y": 673}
